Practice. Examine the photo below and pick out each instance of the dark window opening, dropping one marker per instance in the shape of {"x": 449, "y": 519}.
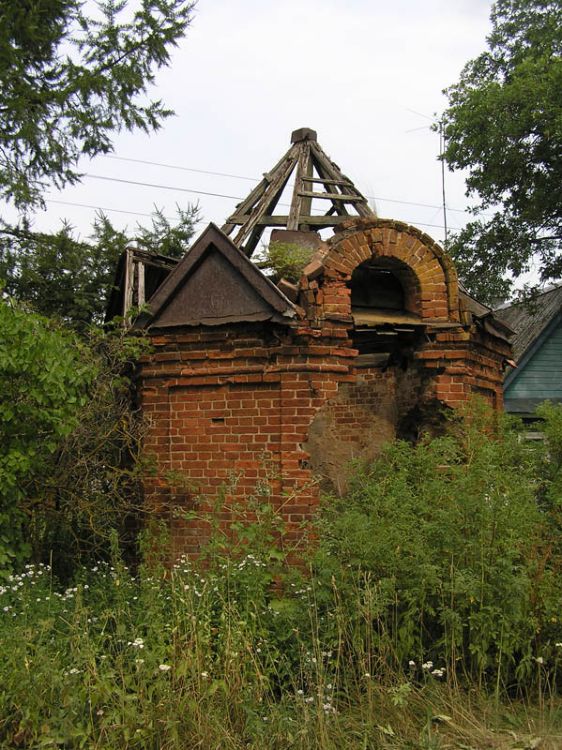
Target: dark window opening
{"x": 377, "y": 288}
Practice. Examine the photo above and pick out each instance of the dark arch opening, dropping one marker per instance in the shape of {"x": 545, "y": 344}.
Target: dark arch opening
{"x": 373, "y": 287}
{"x": 384, "y": 284}
{"x": 385, "y": 303}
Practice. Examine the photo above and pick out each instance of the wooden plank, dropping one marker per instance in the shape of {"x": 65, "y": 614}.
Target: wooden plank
{"x": 128, "y": 284}
{"x": 326, "y": 181}
{"x": 252, "y": 242}
{"x": 306, "y": 207}
{"x": 269, "y": 199}
{"x": 333, "y": 196}
{"x": 281, "y": 221}
{"x": 297, "y": 199}
{"x": 140, "y": 284}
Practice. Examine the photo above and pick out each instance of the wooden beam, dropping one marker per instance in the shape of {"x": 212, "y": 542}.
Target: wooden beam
{"x": 333, "y": 196}
{"x": 140, "y": 283}
{"x": 298, "y": 207}
{"x": 252, "y": 242}
{"x": 281, "y": 221}
{"x": 270, "y": 197}
{"x": 128, "y": 284}
{"x": 326, "y": 181}
{"x": 332, "y": 171}
{"x": 257, "y": 193}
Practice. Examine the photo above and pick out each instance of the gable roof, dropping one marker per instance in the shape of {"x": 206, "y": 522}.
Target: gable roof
{"x": 530, "y": 320}
{"x": 215, "y": 283}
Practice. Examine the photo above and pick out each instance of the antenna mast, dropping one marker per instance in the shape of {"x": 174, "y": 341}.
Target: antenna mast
{"x": 441, "y": 145}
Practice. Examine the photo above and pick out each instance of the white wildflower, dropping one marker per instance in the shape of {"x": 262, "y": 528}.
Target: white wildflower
{"x": 164, "y": 667}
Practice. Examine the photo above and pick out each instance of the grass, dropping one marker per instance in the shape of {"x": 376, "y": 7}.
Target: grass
{"x": 217, "y": 659}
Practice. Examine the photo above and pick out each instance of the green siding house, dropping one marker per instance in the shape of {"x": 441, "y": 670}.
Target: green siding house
{"x": 537, "y": 349}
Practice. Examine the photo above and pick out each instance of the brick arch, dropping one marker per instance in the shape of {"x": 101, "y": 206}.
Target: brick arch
{"x": 436, "y": 287}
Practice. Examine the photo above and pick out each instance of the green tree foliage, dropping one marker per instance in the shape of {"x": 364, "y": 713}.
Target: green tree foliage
{"x": 71, "y": 75}
{"x": 62, "y": 276}
{"x": 89, "y": 488}
{"x": 70, "y": 439}
{"x": 43, "y": 384}
{"x": 504, "y": 125}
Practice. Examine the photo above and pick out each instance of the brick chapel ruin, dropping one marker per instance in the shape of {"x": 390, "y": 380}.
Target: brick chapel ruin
{"x": 253, "y": 384}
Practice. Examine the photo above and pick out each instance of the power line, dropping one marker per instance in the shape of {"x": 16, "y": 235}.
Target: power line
{"x": 163, "y": 187}
{"x": 219, "y": 195}
{"x": 255, "y": 180}
{"x": 183, "y": 169}
{"x": 139, "y": 213}
{"x": 102, "y": 208}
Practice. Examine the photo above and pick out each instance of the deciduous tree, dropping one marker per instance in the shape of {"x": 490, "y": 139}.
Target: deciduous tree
{"x": 504, "y": 125}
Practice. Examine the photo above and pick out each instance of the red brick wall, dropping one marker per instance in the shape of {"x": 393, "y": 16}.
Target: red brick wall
{"x": 229, "y": 412}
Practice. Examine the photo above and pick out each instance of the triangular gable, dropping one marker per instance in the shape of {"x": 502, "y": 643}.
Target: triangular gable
{"x": 213, "y": 284}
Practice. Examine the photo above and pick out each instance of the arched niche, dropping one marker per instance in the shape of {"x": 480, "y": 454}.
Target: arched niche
{"x": 386, "y": 311}
{"x": 382, "y": 286}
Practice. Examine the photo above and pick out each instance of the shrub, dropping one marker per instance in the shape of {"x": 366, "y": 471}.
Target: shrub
{"x": 451, "y": 555}
{"x": 43, "y": 383}
{"x": 287, "y": 259}
{"x": 70, "y": 439}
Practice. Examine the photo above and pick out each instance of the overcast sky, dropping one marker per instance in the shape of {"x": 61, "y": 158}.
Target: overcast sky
{"x": 367, "y": 75}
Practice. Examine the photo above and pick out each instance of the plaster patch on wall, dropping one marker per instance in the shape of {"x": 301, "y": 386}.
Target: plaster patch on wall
{"x": 354, "y": 426}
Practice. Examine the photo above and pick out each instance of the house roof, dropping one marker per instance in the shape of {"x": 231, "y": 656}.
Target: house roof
{"x": 215, "y": 283}
{"x": 530, "y": 319}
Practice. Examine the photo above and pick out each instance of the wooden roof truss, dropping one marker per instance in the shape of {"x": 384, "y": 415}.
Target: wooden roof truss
{"x": 312, "y": 168}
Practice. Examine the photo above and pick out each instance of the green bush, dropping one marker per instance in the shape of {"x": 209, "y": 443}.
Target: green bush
{"x": 287, "y": 259}
{"x": 69, "y": 439}
{"x": 43, "y": 384}
{"x": 449, "y": 549}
